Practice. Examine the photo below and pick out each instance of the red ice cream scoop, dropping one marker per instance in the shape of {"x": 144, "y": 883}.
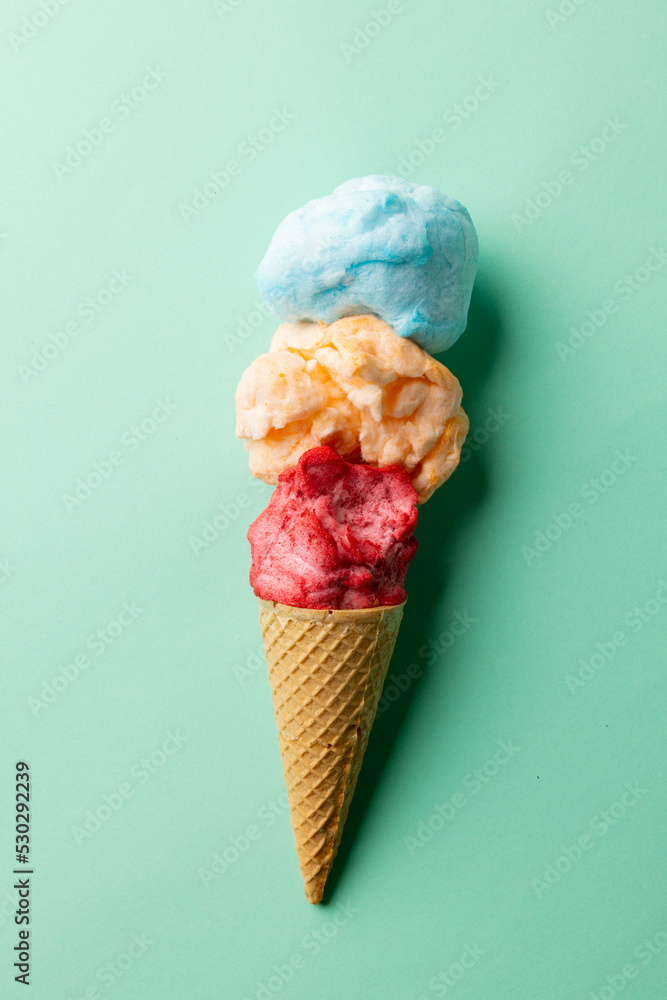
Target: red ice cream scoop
{"x": 335, "y": 535}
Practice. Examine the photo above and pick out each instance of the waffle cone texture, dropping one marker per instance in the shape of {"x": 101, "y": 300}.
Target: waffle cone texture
{"x": 326, "y": 670}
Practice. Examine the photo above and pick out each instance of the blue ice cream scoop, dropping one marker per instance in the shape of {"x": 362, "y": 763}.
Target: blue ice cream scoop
{"x": 406, "y": 252}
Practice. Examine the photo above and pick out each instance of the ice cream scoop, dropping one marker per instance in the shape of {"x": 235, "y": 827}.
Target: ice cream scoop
{"x": 359, "y": 387}
{"x": 405, "y": 252}
{"x": 335, "y": 535}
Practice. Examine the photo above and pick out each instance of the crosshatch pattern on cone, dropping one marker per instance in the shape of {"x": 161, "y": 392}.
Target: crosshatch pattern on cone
{"x": 326, "y": 670}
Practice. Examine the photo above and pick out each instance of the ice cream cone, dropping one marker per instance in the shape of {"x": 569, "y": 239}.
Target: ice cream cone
{"x": 326, "y": 670}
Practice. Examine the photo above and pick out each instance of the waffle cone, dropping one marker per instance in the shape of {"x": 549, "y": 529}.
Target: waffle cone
{"x": 326, "y": 670}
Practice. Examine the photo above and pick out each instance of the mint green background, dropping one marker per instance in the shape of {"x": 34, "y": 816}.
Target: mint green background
{"x": 177, "y": 668}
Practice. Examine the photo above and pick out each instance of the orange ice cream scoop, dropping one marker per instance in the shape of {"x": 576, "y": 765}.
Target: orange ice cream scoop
{"x": 357, "y": 387}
